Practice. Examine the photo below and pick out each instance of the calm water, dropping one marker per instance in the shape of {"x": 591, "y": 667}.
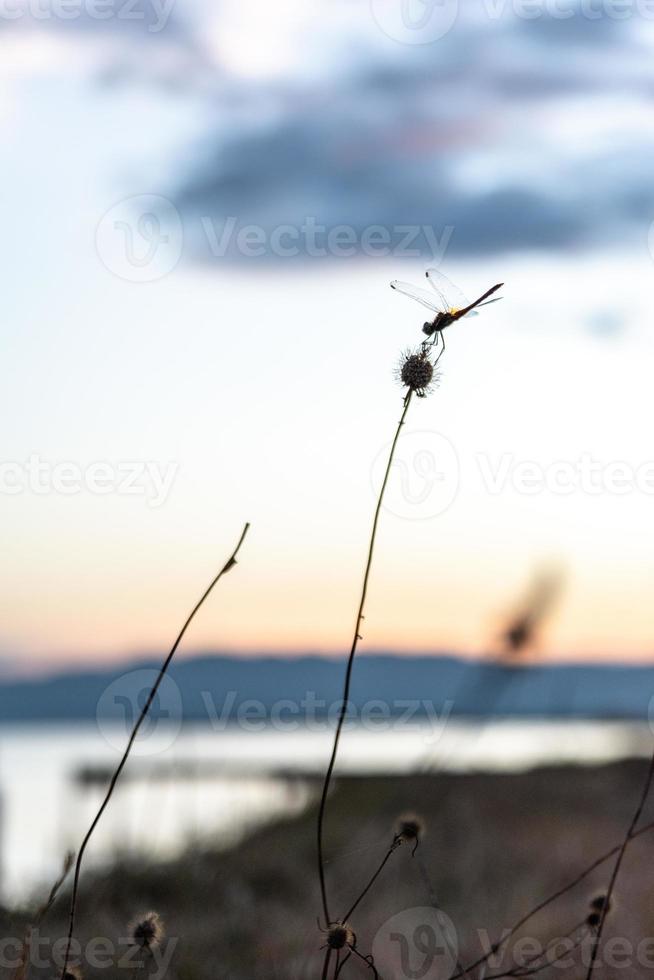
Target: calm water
{"x": 199, "y": 784}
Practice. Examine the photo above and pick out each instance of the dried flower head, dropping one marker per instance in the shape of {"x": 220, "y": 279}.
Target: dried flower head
{"x": 416, "y": 372}
{"x": 599, "y": 902}
{"x": 339, "y": 935}
{"x": 410, "y": 827}
{"x": 147, "y": 930}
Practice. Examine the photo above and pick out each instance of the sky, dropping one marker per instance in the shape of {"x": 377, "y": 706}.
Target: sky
{"x": 203, "y": 206}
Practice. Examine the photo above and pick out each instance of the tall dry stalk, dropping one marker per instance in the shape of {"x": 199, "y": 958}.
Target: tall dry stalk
{"x": 628, "y": 837}
{"x": 231, "y": 561}
{"x": 417, "y": 374}
{"x": 350, "y": 664}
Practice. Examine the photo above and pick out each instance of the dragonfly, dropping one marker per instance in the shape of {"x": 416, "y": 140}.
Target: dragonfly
{"x": 445, "y": 300}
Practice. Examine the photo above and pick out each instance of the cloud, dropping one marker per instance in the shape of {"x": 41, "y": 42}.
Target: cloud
{"x": 509, "y": 132}
{"x": 462, "y": 134}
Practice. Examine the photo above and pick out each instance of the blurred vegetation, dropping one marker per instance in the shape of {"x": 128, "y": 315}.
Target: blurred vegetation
{"x": 495, "y": 846}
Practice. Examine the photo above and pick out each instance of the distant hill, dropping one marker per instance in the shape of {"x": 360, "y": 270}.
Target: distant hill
{"x": 224, "y": 688}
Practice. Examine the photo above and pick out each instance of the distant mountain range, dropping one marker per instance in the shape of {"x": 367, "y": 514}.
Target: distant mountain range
{"x": 227, "y": 689}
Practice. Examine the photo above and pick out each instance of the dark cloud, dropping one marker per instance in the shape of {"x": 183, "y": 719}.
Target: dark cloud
{"x": 574, "y": 28}
{"x": 400, "y": 135}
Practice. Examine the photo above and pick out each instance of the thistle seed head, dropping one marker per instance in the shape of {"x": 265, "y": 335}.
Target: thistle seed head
{"x": 147, "y": 930}
{"x": 598, "y": 903}
{"x": 416, "y": 372}
{"x": 410, "y": 828}
{"x": 339, "y": 935}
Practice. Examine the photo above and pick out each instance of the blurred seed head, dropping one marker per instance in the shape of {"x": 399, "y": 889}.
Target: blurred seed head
{"x": 339, "y": 935}
{"x": 599, "y": 902}
{"x": 410, "y": 828}
{"x": 598, "y": 905}
{"x": 523, "y": 627}
{"x": 147, "y": 930}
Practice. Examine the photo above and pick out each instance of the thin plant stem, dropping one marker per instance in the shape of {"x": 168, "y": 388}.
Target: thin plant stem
{"x": 431, "y": 891}
{"x": 325, "y": 966}
{"x": 394, "y": 846}
{"x": 350, "y": 663}
{"x": 368, "y": 960}
{"x": 628, "y": 837}
{"x": 496, "y": 946}
{"x": 22, "y": 969}
{"x": 139, "y": 965}
{"x": 341, "y": 965}
{"x": 231, "y": 561}
{"x": 528, "y": 968}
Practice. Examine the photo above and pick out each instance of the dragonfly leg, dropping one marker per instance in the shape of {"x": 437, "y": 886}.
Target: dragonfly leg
{"x": 442, "y": 350}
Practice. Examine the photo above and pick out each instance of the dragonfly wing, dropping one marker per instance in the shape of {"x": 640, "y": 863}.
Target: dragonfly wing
{"x": 419, "y": 295}
{"x": 495, "y": 299}
{"x": 450, "y": 295}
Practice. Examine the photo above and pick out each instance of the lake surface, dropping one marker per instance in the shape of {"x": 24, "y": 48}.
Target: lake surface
{"x": 201, "y": 785}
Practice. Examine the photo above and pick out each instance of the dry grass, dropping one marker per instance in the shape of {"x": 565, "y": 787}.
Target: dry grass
{"x": 495, "y": 846}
